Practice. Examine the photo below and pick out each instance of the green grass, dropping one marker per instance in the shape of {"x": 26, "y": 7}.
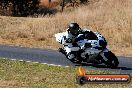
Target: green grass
{"x": 16, "y": 74}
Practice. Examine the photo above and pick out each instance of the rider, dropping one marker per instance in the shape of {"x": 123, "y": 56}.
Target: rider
{"x": 71, "y": 38}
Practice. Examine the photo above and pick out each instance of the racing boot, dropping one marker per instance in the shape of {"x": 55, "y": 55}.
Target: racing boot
{"x": 73, "y": 58}
{"x": 62, "y": 51}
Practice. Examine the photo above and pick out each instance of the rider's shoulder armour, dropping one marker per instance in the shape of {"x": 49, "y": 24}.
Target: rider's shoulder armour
{"x": 89, "y": 34}
{"x": 86, "y": 30}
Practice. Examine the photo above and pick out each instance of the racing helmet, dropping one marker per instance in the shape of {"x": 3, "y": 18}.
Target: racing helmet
{"x": 73, "y": 28}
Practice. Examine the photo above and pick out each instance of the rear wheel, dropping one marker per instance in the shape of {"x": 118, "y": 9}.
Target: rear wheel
{"x": 112, "y": 61}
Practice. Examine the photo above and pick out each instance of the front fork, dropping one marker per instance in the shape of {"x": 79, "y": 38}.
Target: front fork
{"x": 102, "y": 54}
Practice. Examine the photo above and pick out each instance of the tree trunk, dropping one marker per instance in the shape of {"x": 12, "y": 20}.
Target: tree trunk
{"x": 63, "y": 5}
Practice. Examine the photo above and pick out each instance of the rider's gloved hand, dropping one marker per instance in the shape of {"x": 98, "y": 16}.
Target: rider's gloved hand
{"x": 103, "y": 43}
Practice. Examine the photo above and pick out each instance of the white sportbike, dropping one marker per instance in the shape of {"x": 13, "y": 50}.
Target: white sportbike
{"x": 89, "y": 51}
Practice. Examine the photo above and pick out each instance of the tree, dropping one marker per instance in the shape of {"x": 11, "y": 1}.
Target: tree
{"x": 63, "y": 5}
{"x": 83, "y": 1}
{"x": 20, "y": 7}
{"x": 24, "y": 7}
{"x": 4, "y": 7}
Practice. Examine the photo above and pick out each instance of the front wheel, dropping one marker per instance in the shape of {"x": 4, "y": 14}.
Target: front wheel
{"x": 112, "y": 61}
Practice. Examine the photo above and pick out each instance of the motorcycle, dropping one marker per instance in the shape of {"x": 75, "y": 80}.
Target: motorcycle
{"x": 89, "y": 51}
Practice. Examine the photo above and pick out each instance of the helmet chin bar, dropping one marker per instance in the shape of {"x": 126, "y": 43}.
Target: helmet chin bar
{"x": 74, "y": 31}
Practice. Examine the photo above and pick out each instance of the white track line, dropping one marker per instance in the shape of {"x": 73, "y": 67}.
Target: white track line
{"x": 13, "y": 59}
{"x": 28, "y": 61}
{"x": 66, "y": 66}
{"x": 36, "y": 62}
{"x": 21, "y": 60}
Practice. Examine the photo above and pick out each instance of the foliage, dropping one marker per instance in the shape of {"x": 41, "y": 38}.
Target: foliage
{"x": 20, "y": 7}
{"x": 83, "y": 1}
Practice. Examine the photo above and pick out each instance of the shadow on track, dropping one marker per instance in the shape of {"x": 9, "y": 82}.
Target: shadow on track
{"x": 103, "y": 66}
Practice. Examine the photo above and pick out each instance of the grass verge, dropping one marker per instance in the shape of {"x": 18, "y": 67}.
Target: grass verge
{"x": 16, "y": 74}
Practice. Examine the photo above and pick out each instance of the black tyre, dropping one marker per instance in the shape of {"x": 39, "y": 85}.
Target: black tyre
{"x": 112, "y": 61}
{"x": 81, "y": 80}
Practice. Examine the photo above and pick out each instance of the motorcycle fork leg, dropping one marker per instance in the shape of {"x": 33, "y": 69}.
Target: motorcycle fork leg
{"x": 103, "y": 56}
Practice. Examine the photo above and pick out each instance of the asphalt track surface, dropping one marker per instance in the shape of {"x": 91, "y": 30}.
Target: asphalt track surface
{"x": 53, "y": 57}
